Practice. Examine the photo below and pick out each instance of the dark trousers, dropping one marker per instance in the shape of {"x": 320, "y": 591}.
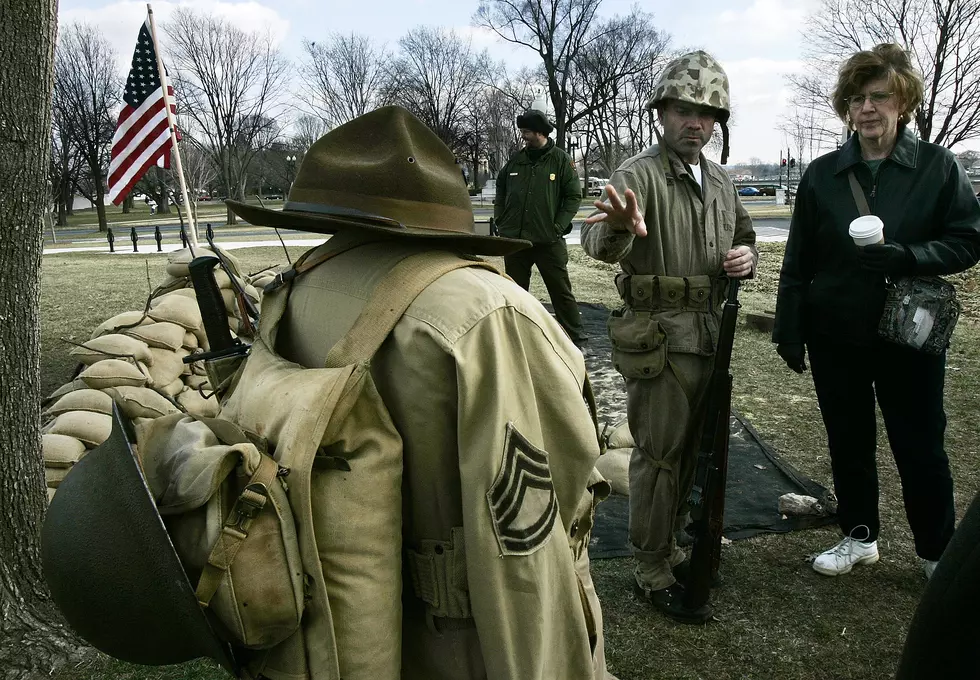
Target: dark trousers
{"x": 908, "y": 386}
{"x": 552, "y": 262}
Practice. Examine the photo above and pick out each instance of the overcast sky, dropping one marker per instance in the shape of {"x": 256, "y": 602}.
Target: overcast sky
{"x": 758, "y": 42}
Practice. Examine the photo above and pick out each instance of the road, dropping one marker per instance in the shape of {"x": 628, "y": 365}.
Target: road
{"x": 767, "y": 229}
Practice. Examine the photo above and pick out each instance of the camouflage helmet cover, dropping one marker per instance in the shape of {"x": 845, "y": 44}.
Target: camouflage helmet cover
{"x": 696, "y": 78}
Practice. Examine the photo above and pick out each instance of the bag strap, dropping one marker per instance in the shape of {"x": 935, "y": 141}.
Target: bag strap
{"x": 235, "y": 529}
{"x": 859, "y": 198}
{"x": 276, "y": 293}
{"x": 389, "y": 300}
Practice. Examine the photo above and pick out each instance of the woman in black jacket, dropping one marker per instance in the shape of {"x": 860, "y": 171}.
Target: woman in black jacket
{"x": 832, "y": 294}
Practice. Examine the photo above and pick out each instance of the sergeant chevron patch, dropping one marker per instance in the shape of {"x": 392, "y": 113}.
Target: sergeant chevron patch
{"x": 522, "y": 500}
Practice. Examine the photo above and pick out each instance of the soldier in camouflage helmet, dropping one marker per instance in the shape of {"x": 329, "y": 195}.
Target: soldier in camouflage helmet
{"x": 678, "y": 232}
{"x": 697, "y": 79}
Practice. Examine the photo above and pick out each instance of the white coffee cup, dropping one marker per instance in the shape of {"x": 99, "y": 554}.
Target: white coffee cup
{"x": 867, "y": 230}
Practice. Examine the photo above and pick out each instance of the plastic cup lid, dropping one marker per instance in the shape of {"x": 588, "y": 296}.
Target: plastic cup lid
{"x": 865, "y": 226}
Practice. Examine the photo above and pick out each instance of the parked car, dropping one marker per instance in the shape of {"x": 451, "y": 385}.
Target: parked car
{"x": 749, "y": 191}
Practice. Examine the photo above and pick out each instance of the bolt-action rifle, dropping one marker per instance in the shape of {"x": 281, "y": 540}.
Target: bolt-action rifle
{"x": 708, "y": 493}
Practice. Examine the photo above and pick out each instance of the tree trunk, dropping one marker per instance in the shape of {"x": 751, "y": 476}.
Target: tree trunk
{"x": 100, "y": 206}
{"x": 127, "y": 205}
{"x": 164, "y": 202}
{"x": 33, "y": 641}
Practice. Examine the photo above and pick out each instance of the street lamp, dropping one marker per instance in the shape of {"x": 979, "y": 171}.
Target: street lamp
{"x": 572, "y": 147}
{"x": 290, "y": 172}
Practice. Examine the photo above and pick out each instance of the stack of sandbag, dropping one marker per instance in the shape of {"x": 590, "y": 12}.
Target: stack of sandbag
{"x": 614, "y": 464}
{"x": 136, "y": 359}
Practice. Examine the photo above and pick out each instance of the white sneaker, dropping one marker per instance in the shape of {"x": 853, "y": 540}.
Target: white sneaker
{"x": 929, "y": 566}
{"x": 842, "y": 557}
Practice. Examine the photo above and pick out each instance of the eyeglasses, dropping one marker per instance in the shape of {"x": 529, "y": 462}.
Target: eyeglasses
{"x": 856, "y": 101}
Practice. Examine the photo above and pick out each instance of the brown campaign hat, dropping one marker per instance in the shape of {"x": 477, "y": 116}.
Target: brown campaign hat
{"x": 383, "y": 172}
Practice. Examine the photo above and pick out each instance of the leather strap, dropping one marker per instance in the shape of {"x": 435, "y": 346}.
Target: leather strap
{"x": 859, "y": 197}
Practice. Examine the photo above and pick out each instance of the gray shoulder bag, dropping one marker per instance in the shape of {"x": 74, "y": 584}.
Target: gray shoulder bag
{"x": 920, "y": 311}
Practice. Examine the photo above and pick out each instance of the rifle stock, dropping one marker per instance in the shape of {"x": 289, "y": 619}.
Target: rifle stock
{"x": 708, "y": 492}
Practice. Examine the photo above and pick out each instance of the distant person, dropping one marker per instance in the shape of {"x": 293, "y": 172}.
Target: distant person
{"x": 673, "y": 221}
{"x": 538, "y": 194}
{"x": 832, "y": 294}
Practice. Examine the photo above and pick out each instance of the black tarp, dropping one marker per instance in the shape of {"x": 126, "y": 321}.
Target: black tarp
{"x": 757, "y": 477}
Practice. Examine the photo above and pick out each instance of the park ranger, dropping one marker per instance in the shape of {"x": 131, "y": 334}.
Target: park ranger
{"x": 674, "y": 222}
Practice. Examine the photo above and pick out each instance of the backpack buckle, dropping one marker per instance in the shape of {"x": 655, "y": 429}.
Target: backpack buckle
{"x": 247, "y": 506}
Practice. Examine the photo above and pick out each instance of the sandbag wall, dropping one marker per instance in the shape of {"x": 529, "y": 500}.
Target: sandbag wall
{"x": 135, "y": 359}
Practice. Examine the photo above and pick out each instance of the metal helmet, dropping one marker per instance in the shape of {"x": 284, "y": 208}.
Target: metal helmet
{"x": 112, "y": 569}
{"x": 696, "y": 78}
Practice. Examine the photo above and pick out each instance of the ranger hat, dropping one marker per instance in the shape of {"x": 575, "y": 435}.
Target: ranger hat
{"x": 535, "y": 120}
{"x": 112, "y": 569}
{"x": 383, "y": 172}
{"x": 696, "y": 78}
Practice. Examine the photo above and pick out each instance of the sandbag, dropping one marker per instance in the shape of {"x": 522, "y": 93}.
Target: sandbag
{"x": 171, "y": 389}
{"x": 159, "y": 334}
{"x": 120, "y": 321}
{"x": 197, "y": 381}
{"x": 141, "y": 402}
{"x": 61, "y": 450}
{"x": 190, "y": 341}
{"x": 90, "y": 428}
{"x": 620, "y": 437}
{"x": 167, "y": 366}
{"x": 112, "y": 373}
{"x": 76, "y": 384}
{"x": 177, "y": 309}
{"x": 614, "y": 465}
{"x": 193, "y": 402}
{"x": 81, "y": 400}
{"x": 112, "y": 345}
{"x": 178, "y": 260}
{"x": 54, "y": 476}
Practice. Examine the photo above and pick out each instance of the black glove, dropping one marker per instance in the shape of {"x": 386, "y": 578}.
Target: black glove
{"x": 886, "y": 258}
{"x": 793, "y": 354}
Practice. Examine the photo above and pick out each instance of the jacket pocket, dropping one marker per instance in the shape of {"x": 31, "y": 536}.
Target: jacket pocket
{"x": 639, "y": 347}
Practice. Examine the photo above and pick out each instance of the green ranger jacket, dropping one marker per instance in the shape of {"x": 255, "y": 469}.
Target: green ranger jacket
{"x": 537, "y": 200}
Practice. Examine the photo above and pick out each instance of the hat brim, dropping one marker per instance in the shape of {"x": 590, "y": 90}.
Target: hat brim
{"x": 473, "y": 244}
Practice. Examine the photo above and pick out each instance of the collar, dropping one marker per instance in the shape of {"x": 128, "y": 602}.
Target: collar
{"x": 905, "y": 153}
{"x": 542, "y": 152}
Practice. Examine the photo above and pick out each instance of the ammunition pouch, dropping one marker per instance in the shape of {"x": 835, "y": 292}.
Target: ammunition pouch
{"x": 639, "y": 346}
{"x": 438, "y": 572}
{"x": 652, "y": 293}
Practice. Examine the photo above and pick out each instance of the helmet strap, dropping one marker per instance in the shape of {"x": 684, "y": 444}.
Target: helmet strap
{"x": 724, "y": 143}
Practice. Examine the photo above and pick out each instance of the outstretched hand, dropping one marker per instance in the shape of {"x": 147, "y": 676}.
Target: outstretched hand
{"x": 619, "y": 215}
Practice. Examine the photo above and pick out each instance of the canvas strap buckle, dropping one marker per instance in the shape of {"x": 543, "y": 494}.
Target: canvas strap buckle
{"x": 248, "y": 505}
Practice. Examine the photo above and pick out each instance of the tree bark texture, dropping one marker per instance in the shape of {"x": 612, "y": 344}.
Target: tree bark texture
{"x": 32, "y": 640}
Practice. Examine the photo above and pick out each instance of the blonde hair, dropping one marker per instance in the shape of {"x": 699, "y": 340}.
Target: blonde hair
{"x": 887, "y": 60}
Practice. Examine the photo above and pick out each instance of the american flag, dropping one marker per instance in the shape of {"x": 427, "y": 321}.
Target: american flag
{"x": 142, "y": 135}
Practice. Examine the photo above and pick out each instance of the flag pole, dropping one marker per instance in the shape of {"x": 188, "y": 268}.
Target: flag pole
{"x": 192, "y": 233}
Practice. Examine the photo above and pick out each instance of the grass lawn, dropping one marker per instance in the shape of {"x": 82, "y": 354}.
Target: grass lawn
{"x": 776, "y": 617}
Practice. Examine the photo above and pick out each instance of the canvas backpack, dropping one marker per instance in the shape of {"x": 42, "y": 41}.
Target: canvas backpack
{"x": 335, "y": 575}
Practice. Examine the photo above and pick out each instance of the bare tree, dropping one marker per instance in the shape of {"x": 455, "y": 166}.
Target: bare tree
{"x": 561, "y": 32}
{"x": 558, "y": 30}
{"x": 308, "y": 129}
{"x": 229, "y": 82}
{"x": 33, "y": 643}
{"x": 65, "y": 166}
{"x": 970, "y": 160}
{"x": 942, "y": 37}
{"x": 613, "y": 77}
{"x": 435, "y": 76}
{"x": 86, "y": 92}
{"x": 344, "y": 77}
